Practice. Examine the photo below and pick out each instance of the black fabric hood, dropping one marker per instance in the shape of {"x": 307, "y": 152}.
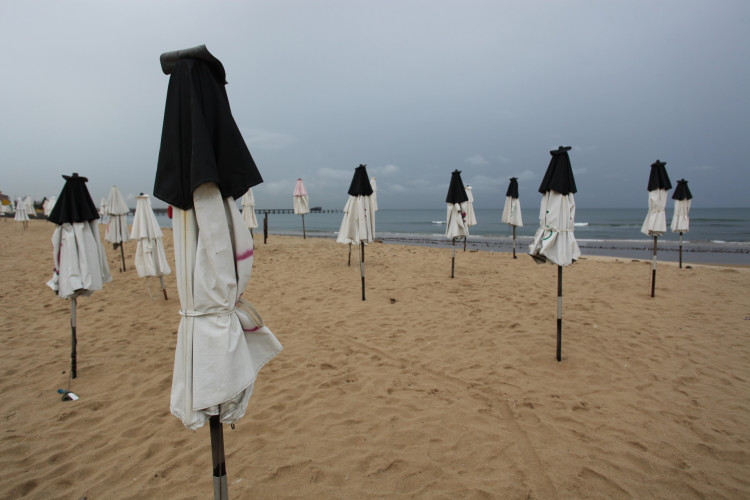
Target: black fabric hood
{"x": 559, "y": 175}
{"x": 512, "y": 188}
{"x": 200, "y": 140}
{"x": 360, "y": 185}
{"x": 74, "y": 203}
{"x": 456, "y": 190}
{"x": 659, "y": 178}
{"x": 682, "y": 192}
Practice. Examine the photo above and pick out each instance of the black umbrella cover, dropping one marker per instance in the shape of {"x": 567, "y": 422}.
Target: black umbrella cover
{"x": 512, "y": 188}
{"x": 456, "y": 190}
{"x": 682, "y": 192}
{"x": 659, "y": 178}
{"x": 168, "y": 60}
{"x": 360, "y": 182}
{"x": 74, "y": 203}
{"x": 559, "y": 175}
{"x": 200, "y": 141}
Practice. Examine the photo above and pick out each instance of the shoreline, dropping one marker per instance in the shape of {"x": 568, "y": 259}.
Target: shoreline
{"x": 733, "y": 253}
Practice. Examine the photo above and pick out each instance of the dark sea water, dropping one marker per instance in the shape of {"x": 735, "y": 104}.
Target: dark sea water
{"x": 720, "y": 235}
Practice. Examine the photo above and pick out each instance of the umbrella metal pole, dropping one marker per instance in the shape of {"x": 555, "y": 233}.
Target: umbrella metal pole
{"x": 163, "y": 288}
{"x": 362, "y": 268}
{"x": 304, "y": 235}
{"x": 217, "y": 455}
{"x": 680, "y": 249}
{"x": 73, "y": 360}
{"x": 514, "y": 242}
{"x": 349, "y": 262}
{"x": 453, "y": 257}
{"x": 653, "y": 269}
{"x": 464, "y": 243}
{"x": 559, "y": 312}
{"x": 265, "y": 228}
{"x": 122, "y": 254}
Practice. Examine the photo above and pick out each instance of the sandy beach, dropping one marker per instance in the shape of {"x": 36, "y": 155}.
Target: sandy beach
{"x": 431, "y": 388}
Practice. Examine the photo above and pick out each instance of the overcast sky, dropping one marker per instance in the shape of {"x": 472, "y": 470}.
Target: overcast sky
{"x": 413, "y": 89}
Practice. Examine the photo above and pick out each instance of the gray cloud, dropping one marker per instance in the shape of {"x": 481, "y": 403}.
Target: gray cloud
{"x": 413, "y": 89}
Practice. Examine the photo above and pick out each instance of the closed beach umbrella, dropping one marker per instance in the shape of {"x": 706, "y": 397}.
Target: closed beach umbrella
{"x": 374, "y": 186}
{"x": 301, "y": 203}
{"x": 455, "y": 221}
{"x": 468, "y": 208}
{"x": 30, "y": 210}
{"x": 117, "y": 228}
{"x": 49, "y": 204}
{"x": 221, "y": 342}
{"x": 655, "y": 223}
{"x": 681, "y": 219}
{"x": 21, "y": 213}
{"x": 80, "y": 261}
{"x": 150, "y": 257}
{"x": 103, "y": 217}
{"x": 512, "y": 209}
{"x": 554, "y": 241}
{"x": 358, "y": 223}
{"x": 248, "y": 210}
{"x": 471, "y": 219}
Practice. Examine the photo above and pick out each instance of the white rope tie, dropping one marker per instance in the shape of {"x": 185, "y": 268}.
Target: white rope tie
{"x": 195, "y": 314}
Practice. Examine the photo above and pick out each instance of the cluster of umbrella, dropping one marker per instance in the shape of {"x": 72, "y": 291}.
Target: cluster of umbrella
{"x": 655, "y": 223}
{"x": 222, "y": 341}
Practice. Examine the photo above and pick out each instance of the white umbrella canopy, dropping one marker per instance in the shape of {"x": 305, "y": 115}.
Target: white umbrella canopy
{"x": 301, "y": 199}
{"x": 374, "y": 186}
{"x": 30, "y": 210}
{"x": 555, "y": 241}
{"x": 103, "y": 216}
{"x": 150, "y": 257}
{"x": 117, "y": 228}
{"x": 455, "y": 226}
{"x": 655, "y": 223}
{"x": 221, "y": 347}
{"x": 512, "y": 209}
{"x": 49, "y": 204}
{"x": 357, "y": 225}
{"x": 512, "y": 212}
{"x": 682, "y": 198}
{"x": 681, "y": 217}
{"x": 248, "y": 209}
{"x": 21, "y": 211}
{"x": 468, "y": 206}
{"x": 80, "y": 260}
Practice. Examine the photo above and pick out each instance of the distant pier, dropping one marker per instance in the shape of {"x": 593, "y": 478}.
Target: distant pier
{"x": 314, "y": 210}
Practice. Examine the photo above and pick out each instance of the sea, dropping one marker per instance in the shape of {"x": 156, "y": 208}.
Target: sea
{"x": 717, "y": 235}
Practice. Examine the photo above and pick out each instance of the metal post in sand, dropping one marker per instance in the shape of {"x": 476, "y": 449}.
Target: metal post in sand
{"x": 217, "y": 455}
